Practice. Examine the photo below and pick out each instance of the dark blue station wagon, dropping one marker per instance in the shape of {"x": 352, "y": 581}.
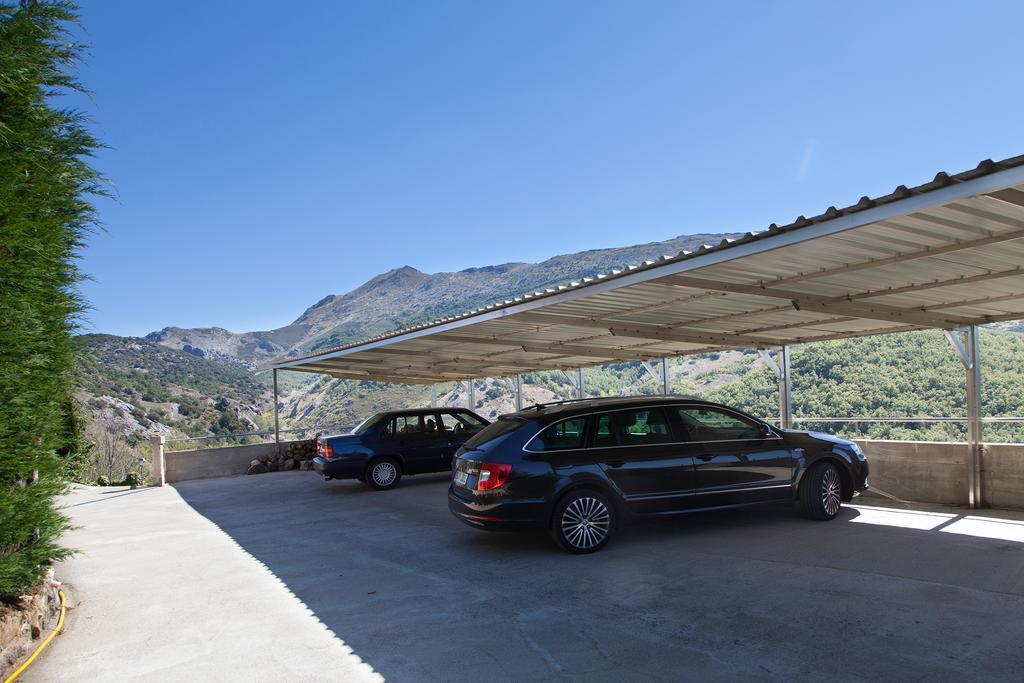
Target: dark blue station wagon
{"x": 388, "y": 445}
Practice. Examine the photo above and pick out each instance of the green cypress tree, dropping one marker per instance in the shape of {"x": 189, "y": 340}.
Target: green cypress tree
{"x": 45, "y": 214}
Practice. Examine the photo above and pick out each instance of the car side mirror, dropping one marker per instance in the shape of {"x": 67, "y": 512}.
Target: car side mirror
{"x": 767, "y": 432}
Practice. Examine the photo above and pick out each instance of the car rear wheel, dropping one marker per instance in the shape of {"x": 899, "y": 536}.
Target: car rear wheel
{"x": 583, "y": 522}
{"x": 383, "y": 474}
{"x": 821, "y": 492}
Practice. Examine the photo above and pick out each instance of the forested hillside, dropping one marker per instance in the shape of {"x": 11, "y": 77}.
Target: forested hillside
{"x": 914, "y": 374}
{"x": 135, "y": 387}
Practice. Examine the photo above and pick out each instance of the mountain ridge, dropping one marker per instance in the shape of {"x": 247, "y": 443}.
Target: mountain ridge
{"x": 405, "y": 296}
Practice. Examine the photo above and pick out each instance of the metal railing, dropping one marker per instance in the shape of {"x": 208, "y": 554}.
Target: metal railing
{"x": 952, "y": 428}
{"x": 248, "y": 438}
{"x": 963, "y": 420}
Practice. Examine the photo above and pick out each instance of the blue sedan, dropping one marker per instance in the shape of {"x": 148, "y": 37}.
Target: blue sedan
{"x": 388, "y": 445}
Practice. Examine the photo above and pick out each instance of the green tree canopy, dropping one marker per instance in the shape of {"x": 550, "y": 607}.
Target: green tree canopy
{"x": 45, "y": 214}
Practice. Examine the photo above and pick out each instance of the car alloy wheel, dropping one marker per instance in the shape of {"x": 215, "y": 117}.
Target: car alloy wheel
{"x": 821, "y": 491}
{"x": 384, "y": 473}
{"x": 585, "y": 522}
{"x": 831, "y": 491}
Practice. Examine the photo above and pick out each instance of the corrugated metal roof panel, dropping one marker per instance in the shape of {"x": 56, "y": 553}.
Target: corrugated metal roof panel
{"x": 886, "y": 264}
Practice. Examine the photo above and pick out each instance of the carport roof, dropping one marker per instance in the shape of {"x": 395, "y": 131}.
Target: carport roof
{"x": 943, "y": 254}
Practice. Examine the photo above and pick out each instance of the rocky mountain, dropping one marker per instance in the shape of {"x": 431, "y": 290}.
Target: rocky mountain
{"x": 134, "y": 387}
{"x": 405, "y": 296}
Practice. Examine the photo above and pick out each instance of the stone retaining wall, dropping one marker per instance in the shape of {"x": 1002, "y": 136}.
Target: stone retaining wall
{"x": 23, "y": 627}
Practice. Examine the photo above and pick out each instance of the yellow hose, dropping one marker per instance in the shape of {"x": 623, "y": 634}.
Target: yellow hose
{"x": 60, "y": 624}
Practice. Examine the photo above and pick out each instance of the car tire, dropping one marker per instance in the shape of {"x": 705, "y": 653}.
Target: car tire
{"x": 821, "y": 492}
{"x": 383, "y": 474}
{"x": 583, "y": 521}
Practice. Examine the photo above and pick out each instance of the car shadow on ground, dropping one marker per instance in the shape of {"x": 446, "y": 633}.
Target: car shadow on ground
{"x": 727, "y": 594}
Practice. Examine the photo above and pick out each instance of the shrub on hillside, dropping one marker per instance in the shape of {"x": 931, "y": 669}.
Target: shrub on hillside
{"x": 44, "y": 216}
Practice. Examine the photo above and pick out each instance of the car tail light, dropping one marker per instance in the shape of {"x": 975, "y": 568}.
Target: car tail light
{"x": 325, "y": 450}
{"x": 492, "y": 475}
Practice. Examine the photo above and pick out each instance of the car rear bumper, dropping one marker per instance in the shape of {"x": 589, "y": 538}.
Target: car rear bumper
{"x": 338, "y": 468}
{"x": 497, "y": 514}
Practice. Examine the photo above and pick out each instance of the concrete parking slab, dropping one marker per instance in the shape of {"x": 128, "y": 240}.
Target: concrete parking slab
{"x": 159, "y": 593}
{"x": 882, "y": 593}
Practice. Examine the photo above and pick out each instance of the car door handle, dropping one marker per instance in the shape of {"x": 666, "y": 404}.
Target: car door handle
{"x": 705, "y": 458}
{"x": 616, "y": 463}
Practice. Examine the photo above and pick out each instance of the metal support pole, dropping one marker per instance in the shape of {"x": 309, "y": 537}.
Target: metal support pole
{"x": 576, "y": 380}
{"x": 664, "y": 377}
{"x": 781, "y": 370}
{"x": 277, "y": 423}
{"x": 472, "y": 394}
{"x": 974, "y": 429}
{"x": 650, "y": 371}
{"x": 433, "y": 395}
{"x": 157, "y": 469}
{"x": 519, "y": 392}
{"x": 785, "y": 390}
{"x": 970, "y": 357}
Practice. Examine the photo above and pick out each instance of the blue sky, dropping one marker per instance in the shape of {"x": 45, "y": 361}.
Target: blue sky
{"x": 268, "y": 154}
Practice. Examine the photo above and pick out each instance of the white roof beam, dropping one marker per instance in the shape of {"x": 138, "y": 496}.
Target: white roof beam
{"x": 842, "y": 306}
{"x": 571, "y": 348}
{"x": 676, "y": 333}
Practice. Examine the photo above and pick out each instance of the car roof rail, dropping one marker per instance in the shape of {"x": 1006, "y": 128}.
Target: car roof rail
{"x": 685, "y": 397}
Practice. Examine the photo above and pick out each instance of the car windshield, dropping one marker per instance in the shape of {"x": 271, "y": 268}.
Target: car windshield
{"x": 363, "y": 426}
{"x": 500, "y": 427}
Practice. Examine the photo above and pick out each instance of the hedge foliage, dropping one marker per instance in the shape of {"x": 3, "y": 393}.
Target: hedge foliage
{"x": 45, "y": 214}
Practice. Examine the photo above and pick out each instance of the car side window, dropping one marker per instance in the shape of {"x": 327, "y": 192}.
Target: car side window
{"x": 447, "y": 423}
{"x": 704, "y": 423}
{"x": 603, "y": 434}
{"x": 641, "y": 427}
{"x": 407, "y": 425}
{"x": 431, "y": 425}
{"x": 561, "y": 436}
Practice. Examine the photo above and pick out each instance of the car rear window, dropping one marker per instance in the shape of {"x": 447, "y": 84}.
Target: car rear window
{"x": 365, "y": 425}
{"x": 498, "y": 428}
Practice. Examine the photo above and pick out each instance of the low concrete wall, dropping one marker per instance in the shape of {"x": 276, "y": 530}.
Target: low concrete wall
{"x": 206, "y": 463}
{"x": 1002, "y": 475}
{"x": 924, "y": 471}
{"x": 936, "y": 472}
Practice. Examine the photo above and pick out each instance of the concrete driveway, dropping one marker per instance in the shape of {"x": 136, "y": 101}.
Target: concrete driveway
{"x": 208, "y": 587}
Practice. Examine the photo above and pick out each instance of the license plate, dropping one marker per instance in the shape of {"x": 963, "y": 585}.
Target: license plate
{"x": 461, "y": 477}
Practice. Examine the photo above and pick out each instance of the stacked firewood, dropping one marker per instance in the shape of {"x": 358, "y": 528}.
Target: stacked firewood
{"x": 297, "y": 455}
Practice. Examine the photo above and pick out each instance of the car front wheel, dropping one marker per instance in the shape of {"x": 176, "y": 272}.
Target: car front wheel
{"x": 821, "y": 492}
{"x": 583, "y": 522}
{"x": 383, "y": 474}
